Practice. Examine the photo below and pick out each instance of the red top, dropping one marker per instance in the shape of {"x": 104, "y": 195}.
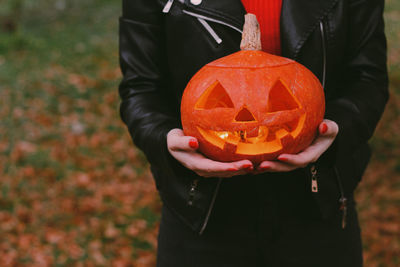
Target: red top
{"x": 268, "y": 14}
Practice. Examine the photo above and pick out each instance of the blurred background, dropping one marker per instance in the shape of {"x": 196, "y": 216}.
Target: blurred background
{"x": 73, "y": 189}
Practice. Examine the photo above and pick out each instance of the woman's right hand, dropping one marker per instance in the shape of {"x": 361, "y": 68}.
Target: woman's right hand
{"x": 184, "y": 149}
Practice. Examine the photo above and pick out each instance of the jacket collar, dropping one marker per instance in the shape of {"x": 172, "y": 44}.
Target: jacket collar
{"x": 298, "y": 18}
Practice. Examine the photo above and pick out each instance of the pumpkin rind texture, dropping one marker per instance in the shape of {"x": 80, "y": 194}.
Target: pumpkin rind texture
{"x": 252, "y": 105}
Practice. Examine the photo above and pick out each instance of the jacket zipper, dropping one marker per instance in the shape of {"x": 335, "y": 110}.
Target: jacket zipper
{"x": 210, "y": 30}
{"x": 321, "y": 27}
{"x": 203, "y": 20}
{"x": 214, "y": 197}
{"x": 314, "y": 179}
{"x": 192, "y": 191}
{"x": 212, "y": 20}
{"x": 169, "y": 4}
{"x": 342, "y": 199}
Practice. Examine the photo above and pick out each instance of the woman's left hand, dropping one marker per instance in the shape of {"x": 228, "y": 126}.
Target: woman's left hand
{"x": 287, "y": 162}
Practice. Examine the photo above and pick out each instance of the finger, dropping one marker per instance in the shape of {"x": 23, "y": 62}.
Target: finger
{"x": 299, "y": 160}
{"x": 202, "y": 164}
{"x": 224, "y": 174}
{"x": 208, "y": 168}
{"x": 234, "y": 169}
{"x": 245, "y": 165}
{"x": 275, "y": 166}
{"x": 328, "y": 128}
{"x": 176, "y": 141}
{"x": 308, "y": 155}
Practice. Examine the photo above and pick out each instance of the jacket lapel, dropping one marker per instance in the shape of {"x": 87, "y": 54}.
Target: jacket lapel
{"x": 298, "y": 20}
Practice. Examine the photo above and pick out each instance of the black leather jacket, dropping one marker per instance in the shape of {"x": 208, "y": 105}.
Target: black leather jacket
{"x": 164, "y": 42}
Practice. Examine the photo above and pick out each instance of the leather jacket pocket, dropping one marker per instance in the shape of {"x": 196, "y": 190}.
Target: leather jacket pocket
{"x": 325, "y": 189}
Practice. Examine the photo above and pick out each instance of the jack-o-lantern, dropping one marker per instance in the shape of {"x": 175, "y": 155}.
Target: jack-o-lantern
{"x": 251, "y": 104}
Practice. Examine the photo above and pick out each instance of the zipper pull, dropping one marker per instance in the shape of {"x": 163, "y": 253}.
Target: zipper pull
{"x": 168, "y": 6}
{"x": 343, "y": 208}
{"x": 210, "y": 30}
{"x": 192, "y": 190}
{"x": 314, "y": 182}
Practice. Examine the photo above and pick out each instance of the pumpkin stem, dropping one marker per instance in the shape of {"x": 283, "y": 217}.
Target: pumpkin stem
{"x": 251, "y": 36}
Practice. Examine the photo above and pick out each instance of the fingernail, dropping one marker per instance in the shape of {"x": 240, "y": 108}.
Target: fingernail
{"x": 247, "y": 166}
{"x": 193, "y": 144}
{"x": 324, "y": 128}
{"x": 283, "y": 158}
{"x": 264, "y": 168}
{"x": 232, "y": 169}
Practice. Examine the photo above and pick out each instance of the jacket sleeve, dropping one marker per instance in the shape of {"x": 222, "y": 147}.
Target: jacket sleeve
{"x": 147, "y": 108}
{"x": 364, "y": 93}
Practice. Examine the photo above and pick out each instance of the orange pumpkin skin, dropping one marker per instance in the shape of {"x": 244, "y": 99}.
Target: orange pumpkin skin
{"x": 252, "y": 105}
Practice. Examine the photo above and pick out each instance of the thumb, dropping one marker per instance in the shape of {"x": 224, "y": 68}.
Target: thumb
{"x": 328, "y": 128}
{"x": 176, "y": 141}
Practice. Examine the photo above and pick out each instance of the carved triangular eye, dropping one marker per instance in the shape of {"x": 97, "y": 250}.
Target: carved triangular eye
{"x": 280, "y": 98}
{"x": 214, "y": 97}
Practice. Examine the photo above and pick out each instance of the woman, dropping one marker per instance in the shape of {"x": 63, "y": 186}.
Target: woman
{"x": 264, "y": 215}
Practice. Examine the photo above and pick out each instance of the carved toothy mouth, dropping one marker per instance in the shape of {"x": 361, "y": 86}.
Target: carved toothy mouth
{"x": 259, "y": 140}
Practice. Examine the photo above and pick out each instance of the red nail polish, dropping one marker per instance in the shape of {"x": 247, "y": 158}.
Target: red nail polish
{"x": 247, "y": 166}
{"x": 264, "y": 168}
{"x": 324, "y": 128}
{"x": 193, "y": 144}
{"x": 283, "y": 158}
{"x": 232, "y": 169}
{"x": 249, "y": 169}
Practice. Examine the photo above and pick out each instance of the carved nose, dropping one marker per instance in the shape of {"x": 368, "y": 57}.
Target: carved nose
{"x": 244, "y": 115}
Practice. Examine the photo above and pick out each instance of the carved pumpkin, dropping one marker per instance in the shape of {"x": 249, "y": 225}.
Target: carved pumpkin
{"x": 252, "y": 105}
